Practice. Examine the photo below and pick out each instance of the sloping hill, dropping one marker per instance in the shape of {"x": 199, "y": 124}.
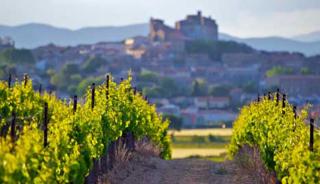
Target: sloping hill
{"x": 283, "y": 44}
{"x": 277, "y": 44}
{"x": 309, "y": 37}
{"x": 34, "y": 35}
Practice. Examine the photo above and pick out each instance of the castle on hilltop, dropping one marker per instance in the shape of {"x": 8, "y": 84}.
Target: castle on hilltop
{"x": 194, "y": 27}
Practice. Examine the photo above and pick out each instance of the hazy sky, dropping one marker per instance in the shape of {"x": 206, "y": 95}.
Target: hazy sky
{"x": 238, "y": 17}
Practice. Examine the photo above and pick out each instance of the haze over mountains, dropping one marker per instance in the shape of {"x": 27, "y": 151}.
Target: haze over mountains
{"x": 35, "y": 35}
{"x": 309, "y": 37}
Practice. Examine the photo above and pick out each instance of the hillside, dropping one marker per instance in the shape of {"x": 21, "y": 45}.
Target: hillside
{"x": 35, "y": 35}
{"x": 277, "y": 44}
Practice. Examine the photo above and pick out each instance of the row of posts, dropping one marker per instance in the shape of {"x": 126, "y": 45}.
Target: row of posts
{"x": 13, "y": 126}
{"x": 284, "y": 98}
{"x": 13, "y": 121}
{"x": 127, "y": 135}
{"x": 127, "y": 138}
{"x": 25, "y": 79}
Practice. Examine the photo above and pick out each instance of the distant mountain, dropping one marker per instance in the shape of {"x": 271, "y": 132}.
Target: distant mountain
{"x": 309, "y": 37}
{"x": 227, "y": 37}
{"x": 277, "y": 44}
{"x": 34, "y": 35}
{"x": 283, "y": 44}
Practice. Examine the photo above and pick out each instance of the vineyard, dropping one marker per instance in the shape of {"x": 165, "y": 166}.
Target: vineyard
{"x": 44, "y": 139}
{"x": 285, "y": 138}
{"x": 48, "y": 140}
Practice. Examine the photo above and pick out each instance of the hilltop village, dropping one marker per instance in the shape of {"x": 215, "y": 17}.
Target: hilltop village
{"x": 185, "y": 70}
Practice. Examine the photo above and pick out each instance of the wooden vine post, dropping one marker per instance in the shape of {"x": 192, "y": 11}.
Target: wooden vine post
{"x": 40, "y": 89}
{"x": 93, "y": 88}
{"x": 75, "y": 103}
{"x": 269, "y": 95}
{"x": 295, "y": 112}
{"x": 107, "y": 87}
{"x": 5, "y": 128}
{"x": 295, "y": 117}
{"x": 9, "y": 80}
{"x": 146, "y": 99}
{"x": 278, "y": 96}
{"x": 13, "y": 126}
{"x": 284, "y": 103}
{"x": 134, "y": 90}
{"x": 131, "y": 141}
{"x": 45, "y": 123}
{"x": 2, "y": 129}
{"x": 25, "y": 78}
{"x": 311, "y": 134}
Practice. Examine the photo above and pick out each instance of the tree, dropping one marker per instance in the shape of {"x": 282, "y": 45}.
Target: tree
{"x": 250, "y": 87}
{"x": 169, "y": 87}
{"x": 305, "y": 71}
{"x": 198, "y": 139}
{"x": 62, "y": 79}
{"x": 199, "y": 88}
{"x": 84, "y": 84}
{"x": 148, "y": 76}
{"x": 219, "y": 90}
{"x": 70, "y": 68}
{"x": 175, "y": 122}
{"x": 179, "y": 62}
{"x": 152, "y": 92}
{"x": 213, "y": 138}
{"x": 279, "y": 70}
{"x": 215, "y": 49}
{"x": 75, "y": 78}
{"x": 17, "y": 56}
{"x": 92, "y": 64}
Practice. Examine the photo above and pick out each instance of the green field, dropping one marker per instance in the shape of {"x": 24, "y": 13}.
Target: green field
{"x": 201, "y": 152}
{"x": 210, "y": 144}
{"x": 203, "y": 132}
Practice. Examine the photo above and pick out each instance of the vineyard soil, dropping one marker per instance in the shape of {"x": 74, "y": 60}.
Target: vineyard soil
{"x": 187, "y": 152}
{"x": 152, "y": 170}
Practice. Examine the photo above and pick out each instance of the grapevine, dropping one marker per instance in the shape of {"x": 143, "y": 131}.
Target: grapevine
{"x": 75, "y": 139}
{"x": 281, "y": 137}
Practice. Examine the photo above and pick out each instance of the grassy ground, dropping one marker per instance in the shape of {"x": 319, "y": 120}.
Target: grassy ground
{"x": 199, "y": 146}
{"x": 220, "y": 158}
{"x": 209, "y": 144}
{"x": 202, "y": 152}
{"x": 203, "y": 132}
{"x": 200, "y": 139}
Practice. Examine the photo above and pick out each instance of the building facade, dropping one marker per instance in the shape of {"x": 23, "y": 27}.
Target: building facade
{"x": 194, "y": 27}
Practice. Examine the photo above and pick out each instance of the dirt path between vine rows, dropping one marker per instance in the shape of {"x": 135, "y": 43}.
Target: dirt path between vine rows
{"x": 152, "y": 170}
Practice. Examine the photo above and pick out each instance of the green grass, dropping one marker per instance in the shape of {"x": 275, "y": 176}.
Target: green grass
{"x": 201, "y": 139}
{"x": 201, "y": 152}
{"x": 199, "y": 145}
{"x": 205, "y": 147}
{"x": 216, "y": 158}
{"x": 202, "y": 132}
{"x": 220, "y": 158}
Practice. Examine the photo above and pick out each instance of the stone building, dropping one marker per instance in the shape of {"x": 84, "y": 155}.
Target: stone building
{"x": 197, "y": 27}
{"x": 194, "y": 27}
{"x": 159, "y": 32}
